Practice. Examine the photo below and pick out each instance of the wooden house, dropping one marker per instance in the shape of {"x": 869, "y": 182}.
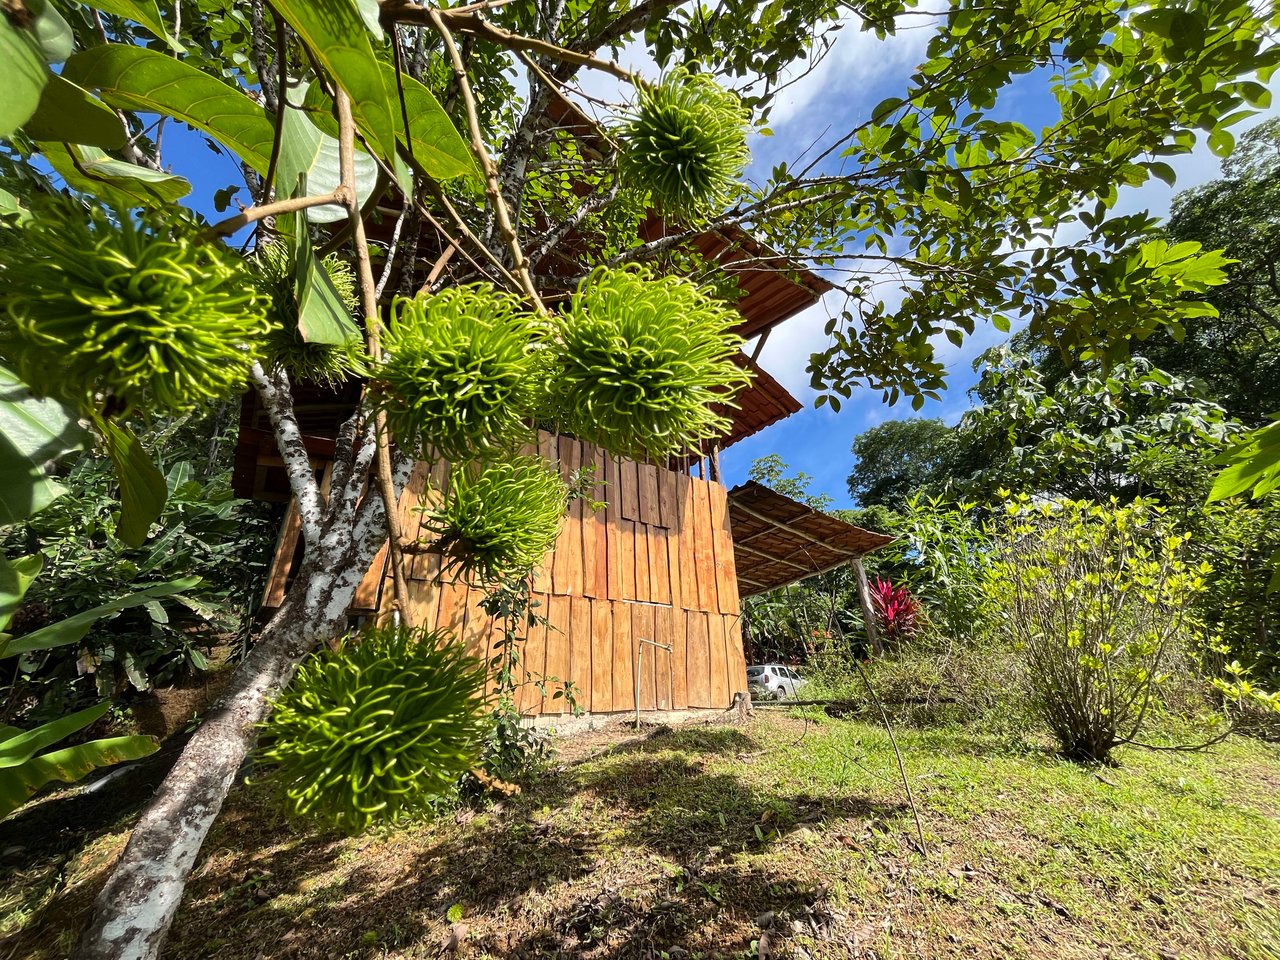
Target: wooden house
{"x": 642, "y": 598}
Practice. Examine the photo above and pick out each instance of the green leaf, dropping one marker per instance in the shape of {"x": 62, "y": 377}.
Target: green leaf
{"x": 73, "y": 628}
{"x": 135, "y": 78}
{"x": 1221, "y": 142}
{"x": 11, "y": 209}
{"x": 336, "y": 34}
{"x": 90, "y": 170}
{"x": 433, "y": 143}
{"x": 144, "y": 12}
{"x": 142, "y": 486}
{"x": 15, "y": 578}
{"x": 72, "y": 114}
{"x": 1162, "y": 170}
{"x": 19, "y": 784}
{"x": 369, "y": 11}
{"x": 51, "y": 33}
{"x": 322, "y": 317}
{"x": 306, "y": 151}
{"x": 32, "y": 433}
{"x": 27, "y": 744}
{"x": 22, "y": 76}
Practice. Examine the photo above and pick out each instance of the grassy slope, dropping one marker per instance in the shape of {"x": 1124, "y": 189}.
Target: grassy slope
{"x": 683, "y": 839}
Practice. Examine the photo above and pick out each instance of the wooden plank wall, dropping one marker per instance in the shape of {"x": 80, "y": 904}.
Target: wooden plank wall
{"x": 656, "y": 564}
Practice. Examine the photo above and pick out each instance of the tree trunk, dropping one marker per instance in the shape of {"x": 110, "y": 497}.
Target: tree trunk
{"x": 868, "y": 608}
{"x": 133, "y": 912}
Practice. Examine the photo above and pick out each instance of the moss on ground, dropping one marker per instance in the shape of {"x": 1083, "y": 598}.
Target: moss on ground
{"x": 788, "y": 837}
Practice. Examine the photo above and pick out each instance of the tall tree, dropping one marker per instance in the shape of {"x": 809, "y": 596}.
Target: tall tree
{"x": 339, "y": 109}
{"x": 898, "y": 457}
{"x": 772, "y": 471}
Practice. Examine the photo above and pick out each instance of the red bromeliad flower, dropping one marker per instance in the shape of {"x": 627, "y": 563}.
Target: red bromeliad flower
{"x": 896, "y": 610}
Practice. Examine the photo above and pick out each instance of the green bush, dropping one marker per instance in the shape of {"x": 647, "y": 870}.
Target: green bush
{"x": 499, "y": 519}
{"x": 463, "y": 372}
{"x": 640, "y": 360}
{"x": 207, "y": 532}
{"x": 1096, "y": 598}
{"x": 142, "y": 310}
{"x": 685, "y": 144}
{"x": 378, "y": 729}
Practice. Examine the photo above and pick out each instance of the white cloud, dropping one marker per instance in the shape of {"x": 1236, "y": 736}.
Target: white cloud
{"x": 858, "y": 63}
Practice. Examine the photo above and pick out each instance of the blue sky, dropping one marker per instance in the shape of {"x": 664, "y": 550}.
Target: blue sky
{"x": 858, "y": 73}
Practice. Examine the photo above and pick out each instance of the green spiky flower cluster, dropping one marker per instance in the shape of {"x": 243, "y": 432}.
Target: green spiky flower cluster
{"x": 685, "y": 143}
{"x": 642, "y": 359}
{"x": 462, "y": 372}
{"x": 499, "y": 519}
{"x": 326, "y": 364}
{"x": 144, "y": 312}
{"x": 378, "y": 728}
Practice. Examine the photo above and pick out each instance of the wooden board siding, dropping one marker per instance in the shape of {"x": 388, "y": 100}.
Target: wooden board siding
{"x": 655, "y": 564}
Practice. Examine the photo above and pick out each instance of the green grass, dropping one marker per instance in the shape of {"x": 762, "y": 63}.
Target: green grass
{"x": 701, "y": 841}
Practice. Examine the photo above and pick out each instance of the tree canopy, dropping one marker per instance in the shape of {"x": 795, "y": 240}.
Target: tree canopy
{"x": 897, "y": 458}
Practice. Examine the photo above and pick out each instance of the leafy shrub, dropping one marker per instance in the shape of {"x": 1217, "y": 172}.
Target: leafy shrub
{"x": 462, "y": 374}
{"x": 941, "y": 554}
{"x": 205, "y": 531}
{"x": 685, "y": 144}
{"x": 1096, "y": 598}
{"x": 898, "y": 615}
{"x": 640, "y": 360}
{"x": 143, "y": 310}
{"x": 499, "y": 519}
{"x": 378, "y": 728}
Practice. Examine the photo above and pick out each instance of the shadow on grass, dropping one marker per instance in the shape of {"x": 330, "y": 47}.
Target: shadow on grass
{"x": 624, "y": 855}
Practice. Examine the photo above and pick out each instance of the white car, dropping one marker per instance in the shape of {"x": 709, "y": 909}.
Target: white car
{"x": 774, "y": 680}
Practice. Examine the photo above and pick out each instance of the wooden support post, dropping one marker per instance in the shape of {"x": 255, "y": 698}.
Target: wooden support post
{"x": 715, "y": 464}
{"x": 868, "y": 611}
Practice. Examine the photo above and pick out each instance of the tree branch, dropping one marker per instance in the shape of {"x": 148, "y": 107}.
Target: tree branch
{"x": 373, "y": 335}
{"x": 273, "y": 388}
{"x": 492, "y": 187}
{"x": 225, "y": 228}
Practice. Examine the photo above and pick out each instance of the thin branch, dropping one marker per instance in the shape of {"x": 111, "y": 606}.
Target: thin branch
{"x": 282, "y": 86}
{"x": 492, "y": 187}
{"x": 341, "y": 197}
{"x": 373, "y": 335}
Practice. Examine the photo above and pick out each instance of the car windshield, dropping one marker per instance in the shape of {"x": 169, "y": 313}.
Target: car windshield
{"x": 755, "y": 671}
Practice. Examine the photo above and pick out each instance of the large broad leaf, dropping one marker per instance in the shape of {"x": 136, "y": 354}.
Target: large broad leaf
{"x": 307, "y": 152}
{"x": 135, "y": 78}
{"x": 33, "y": 433}
{"x": 144, "y": 12}
{"x": 72, "y": 629}
{"x": 89, "y": 170}
{"x": 51, "y": 33}
{"x": 71, "y": 113}
{"x": 22, "y": 76}
{"x": 433, "y": 142}
{"x": 1252, "y": 465}
{"x": 15, "y": 578}
{"x": 142, "y": 486}
{"x": 322, "y": 317}
{"x": 19, "y": 784}
{"x": 337, "y": 35}
{"x": 22, "y": 747}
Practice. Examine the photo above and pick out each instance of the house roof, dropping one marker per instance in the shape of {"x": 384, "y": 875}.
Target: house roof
{"x": 775, "y": 288}
{"x": 777, "y": 540}
{"x": 765, "y": 401}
